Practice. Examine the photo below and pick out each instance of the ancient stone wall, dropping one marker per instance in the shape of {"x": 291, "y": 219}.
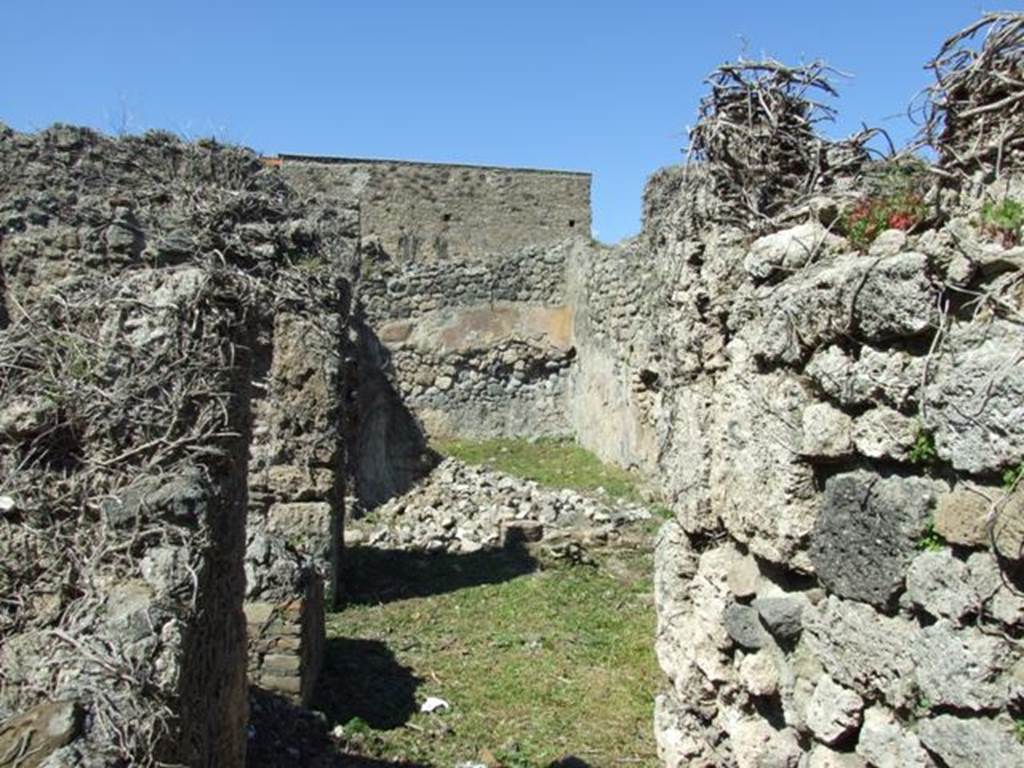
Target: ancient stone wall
{"x": 434, "y": 212}
{"x": 139, "y": 277}
{"x": 832, "y": 429}
{"x": 477, "y": 349}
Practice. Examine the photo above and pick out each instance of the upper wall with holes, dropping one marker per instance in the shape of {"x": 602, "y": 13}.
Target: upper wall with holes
{"x": 431, "y": 212}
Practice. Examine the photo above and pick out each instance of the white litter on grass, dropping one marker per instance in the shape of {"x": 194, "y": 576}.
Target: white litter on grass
{"x": 338, "y": 732}
{"x": 434, "y": 704}
{"x": 6, "y": 503}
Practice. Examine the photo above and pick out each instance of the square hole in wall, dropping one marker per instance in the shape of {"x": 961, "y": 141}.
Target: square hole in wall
{"x": 572, "y": 223}
{"x": 446, "y": 217}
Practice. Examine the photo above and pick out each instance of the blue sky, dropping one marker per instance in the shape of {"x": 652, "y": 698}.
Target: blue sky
{"x": 607, "y": 87}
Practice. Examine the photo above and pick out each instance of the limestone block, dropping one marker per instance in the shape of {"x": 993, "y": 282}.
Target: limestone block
{"x": 884, "y": 433}
{"x": 939, "y": 583}
{"x": 833, "y": 712}
{"x": 963, "y": 668}
{"x": 789, "y": 250}
{"x": 755, "y": 744}
{"x": 888, "y": 243}
{"x": 971, "y": 743}
{"x": 759, "y": 674}
{"x": 976, "y": 397}
{"x": 872, "y": 299}
{"x": 826, "y": 432}
{"x": 862, "y": 649}
{"x": 759, "y": 488}
{"x": 823, "y": 757}
{"x": 888, "y": 376}
{"x": 300, "y": 518}
{"x": 885, "y": 743}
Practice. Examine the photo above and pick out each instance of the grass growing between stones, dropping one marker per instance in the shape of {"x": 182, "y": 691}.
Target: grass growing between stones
{"x": 538, "y": 664}
{"x": 551, "y": 462}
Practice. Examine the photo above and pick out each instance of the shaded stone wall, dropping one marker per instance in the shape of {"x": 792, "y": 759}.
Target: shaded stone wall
{"x": 436, "y": 212}
{"x": 143, "y": 280}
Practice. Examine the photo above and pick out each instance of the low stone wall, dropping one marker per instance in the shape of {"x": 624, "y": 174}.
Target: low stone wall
{"x": 286, "y": 643}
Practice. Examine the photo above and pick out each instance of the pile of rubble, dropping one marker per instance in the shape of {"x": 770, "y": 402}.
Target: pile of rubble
{"x": 465, "y": 509}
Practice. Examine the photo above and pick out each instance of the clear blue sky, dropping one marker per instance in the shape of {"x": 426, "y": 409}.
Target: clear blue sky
{"x": 607, "y": 87}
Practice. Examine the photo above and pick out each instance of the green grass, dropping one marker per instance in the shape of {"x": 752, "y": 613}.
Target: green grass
{"x": 550, "y": 462}
{"x": 537, "y": 664}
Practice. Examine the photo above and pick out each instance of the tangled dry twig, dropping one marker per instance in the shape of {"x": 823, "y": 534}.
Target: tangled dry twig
{"x": 756, "y": 137}
{"x": 973, "y": 115}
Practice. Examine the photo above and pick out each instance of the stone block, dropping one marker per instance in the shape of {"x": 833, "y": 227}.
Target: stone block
{"x": 833, "y": 712}
{"x": 867, "y": 533}
{"x": 971, "y": 743}
{"x": 308, "y": 518}
{"x": 826, "y": 432}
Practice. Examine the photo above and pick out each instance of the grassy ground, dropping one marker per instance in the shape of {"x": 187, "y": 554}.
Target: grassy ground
{"x": 539, "y": 662}
{"x": 555, "y": 463}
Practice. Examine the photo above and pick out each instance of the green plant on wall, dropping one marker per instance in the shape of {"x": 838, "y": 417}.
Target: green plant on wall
{"x": 1003, "y": 220}
{"x": 1013, "y": 477}
{"x": 931, "y": 540}
{"x": 923, "y": 452}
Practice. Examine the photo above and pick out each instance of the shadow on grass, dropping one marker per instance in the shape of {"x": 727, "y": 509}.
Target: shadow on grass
{"x": 375, "y": 576}
{"x": 282, "y": 735}
{"x": 363, "y": 679}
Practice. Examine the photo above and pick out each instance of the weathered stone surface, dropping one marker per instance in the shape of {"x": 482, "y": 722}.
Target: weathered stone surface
{"x": 884, "y": 433}
{"x": 681, "y": 735}
{"x": 833, "y": 712}
{"x": 755, "y": 744}
{"x": 963, "y": 668}
{"x": 744, "y": 627}
{"x": 781, "y": 616}
{"x": 744, "y": 577}
{"x": 759, "y": 674}
{"x": 862, "y": 649}
{"x": 867, "y": 533}
{"x": 164, "y": 568}
{"x": 976, "y": 397}
{"x": 789, "y": 250}
{"x": 971, "y": 743}
{"x": 998, "y": 599}
{"x": 823, "y": 757}
{"x": 939, "y": 583}
{"x": 759, "y": 488}
{"x": 889, "y": 376}
{"x": 827, "y": 432}
{"x": 872, "y": 299}
{"x": 888, "y": 243}
{"x": 885, "y": 743}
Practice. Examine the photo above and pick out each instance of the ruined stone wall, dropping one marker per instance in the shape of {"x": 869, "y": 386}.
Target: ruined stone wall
{"x": 138, "y": 275}
{"x": 476, "y": 349}
{"x": 461, "y": 324}
{"x": 434, "y": 212}
{"x": 832, "y": 430}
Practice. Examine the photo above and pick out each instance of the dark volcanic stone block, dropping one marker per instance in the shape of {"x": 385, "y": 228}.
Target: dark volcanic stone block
{"x": 867, "y": 533}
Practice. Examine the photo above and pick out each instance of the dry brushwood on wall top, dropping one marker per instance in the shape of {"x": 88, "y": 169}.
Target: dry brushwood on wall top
{"x": 973, "y": 115}
{"x": 756, "y": 135}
